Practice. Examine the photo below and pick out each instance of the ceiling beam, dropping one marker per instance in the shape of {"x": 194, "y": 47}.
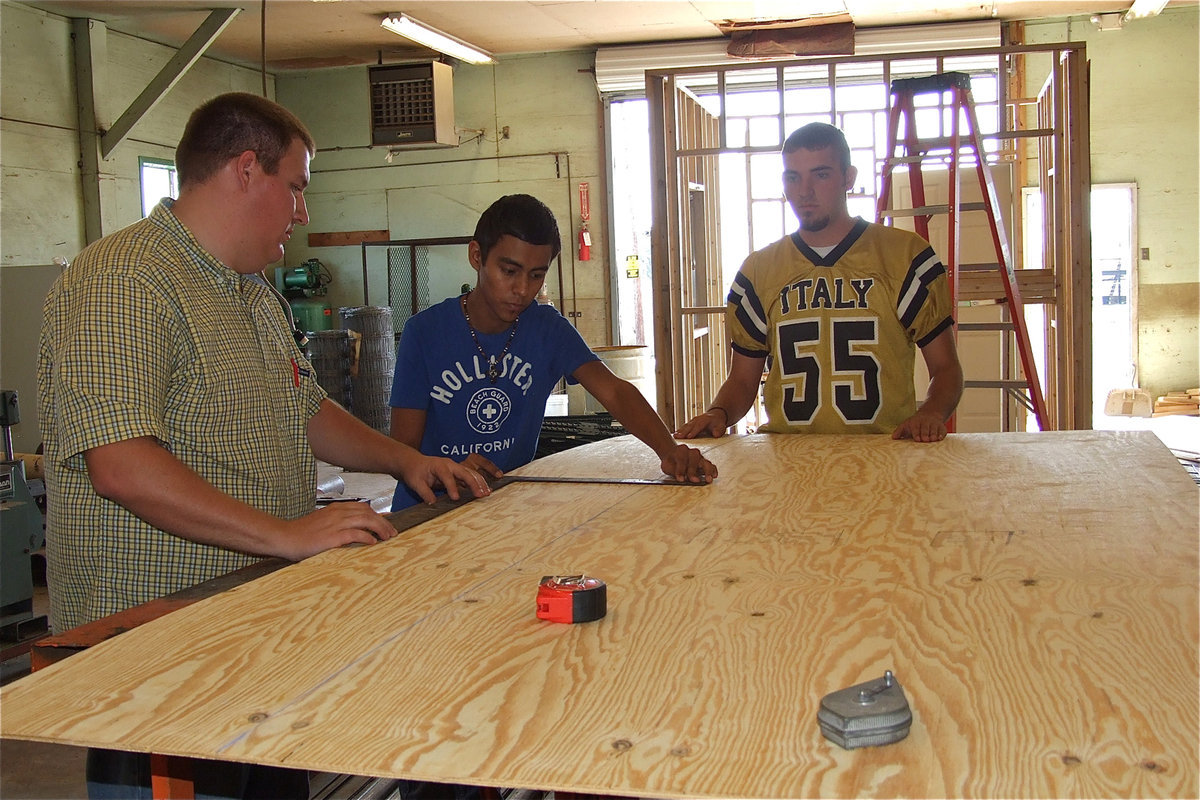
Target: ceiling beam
{"x": 90, "y": 41}
{"x": 168, "y": 76}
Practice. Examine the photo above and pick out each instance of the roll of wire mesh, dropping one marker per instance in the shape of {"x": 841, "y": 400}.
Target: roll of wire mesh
{"x": 372, "y": 362}
{"x": 329, "y": 354}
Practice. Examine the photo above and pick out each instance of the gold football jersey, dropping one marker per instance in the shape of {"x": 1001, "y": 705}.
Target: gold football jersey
{"x": 838, "y": 330}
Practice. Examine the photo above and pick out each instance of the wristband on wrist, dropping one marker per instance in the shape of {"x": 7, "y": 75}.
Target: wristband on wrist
{"x": 723, "y": 411}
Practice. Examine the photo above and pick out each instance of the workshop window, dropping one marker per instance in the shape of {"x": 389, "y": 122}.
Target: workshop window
{"x": 159, "y": 179}
{"x": 753, "y": 212}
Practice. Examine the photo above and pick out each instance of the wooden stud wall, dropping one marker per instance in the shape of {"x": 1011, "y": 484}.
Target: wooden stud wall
{"x": 1062, "y": 284}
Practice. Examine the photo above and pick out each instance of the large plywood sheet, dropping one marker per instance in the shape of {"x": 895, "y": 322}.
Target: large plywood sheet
{"x": 1035, "y": 594}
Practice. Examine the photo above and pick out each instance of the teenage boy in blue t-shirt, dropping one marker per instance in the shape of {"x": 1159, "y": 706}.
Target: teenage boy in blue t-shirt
{"x": 473, "y": 372}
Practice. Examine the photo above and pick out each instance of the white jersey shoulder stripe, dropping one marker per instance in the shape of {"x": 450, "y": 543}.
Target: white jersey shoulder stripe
{"x": 749, "y": 309}
{"x": 925, "y": 268}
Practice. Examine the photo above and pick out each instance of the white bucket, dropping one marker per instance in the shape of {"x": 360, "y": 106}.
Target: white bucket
{"x": 634, "y": 363}
{"x": 556, "y": 405}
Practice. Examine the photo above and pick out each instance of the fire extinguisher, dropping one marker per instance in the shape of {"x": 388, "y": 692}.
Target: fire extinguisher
{"x": 585, "y": 244}
{"x": 585, "y": 238}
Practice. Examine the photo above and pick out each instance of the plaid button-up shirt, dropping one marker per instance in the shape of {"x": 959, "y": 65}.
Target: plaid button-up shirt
{"x": 147, "y": 334}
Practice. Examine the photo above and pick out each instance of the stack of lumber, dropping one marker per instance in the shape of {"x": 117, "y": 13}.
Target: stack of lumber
{"x": 1178, "y": 403}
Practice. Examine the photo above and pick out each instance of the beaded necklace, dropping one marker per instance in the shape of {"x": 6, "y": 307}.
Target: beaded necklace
{"x": 493, "y": 370}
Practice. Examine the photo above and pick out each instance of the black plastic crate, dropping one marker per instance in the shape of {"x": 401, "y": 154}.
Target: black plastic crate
{"x": 563, "y": 433}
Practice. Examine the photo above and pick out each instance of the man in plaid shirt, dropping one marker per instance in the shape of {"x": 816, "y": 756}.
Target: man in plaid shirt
{"x": 181, "y": 421}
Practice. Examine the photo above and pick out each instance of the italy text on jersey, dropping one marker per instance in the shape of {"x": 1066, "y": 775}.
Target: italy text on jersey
{"x": 817, "y": 293}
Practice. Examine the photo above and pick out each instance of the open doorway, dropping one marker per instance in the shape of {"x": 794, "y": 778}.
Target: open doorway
{"x": 1114, "y": 278}
{"x": 1114, "y": 291}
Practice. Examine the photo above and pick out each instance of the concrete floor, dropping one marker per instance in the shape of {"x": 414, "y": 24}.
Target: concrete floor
{"x": 38, "y": 771}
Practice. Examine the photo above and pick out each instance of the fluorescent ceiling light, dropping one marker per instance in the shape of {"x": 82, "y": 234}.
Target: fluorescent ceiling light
{"x": 1144, "y": 8}
{"x": 434, "y": 39}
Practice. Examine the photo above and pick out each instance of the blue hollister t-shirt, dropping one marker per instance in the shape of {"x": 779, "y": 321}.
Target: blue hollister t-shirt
{"x": 439, "y": 370}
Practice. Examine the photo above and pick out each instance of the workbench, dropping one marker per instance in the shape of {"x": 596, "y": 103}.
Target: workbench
{"x": 1036, "y": 595}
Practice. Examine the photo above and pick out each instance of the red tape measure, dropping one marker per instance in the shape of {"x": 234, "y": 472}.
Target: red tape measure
{"x": 571, "y": 598}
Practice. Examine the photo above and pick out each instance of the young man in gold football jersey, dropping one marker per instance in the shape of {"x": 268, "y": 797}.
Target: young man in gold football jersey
{"x": 839, "y": 307}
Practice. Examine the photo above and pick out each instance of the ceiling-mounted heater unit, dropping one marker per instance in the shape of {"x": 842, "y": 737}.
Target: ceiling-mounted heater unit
{"x": 412, "y": 105}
